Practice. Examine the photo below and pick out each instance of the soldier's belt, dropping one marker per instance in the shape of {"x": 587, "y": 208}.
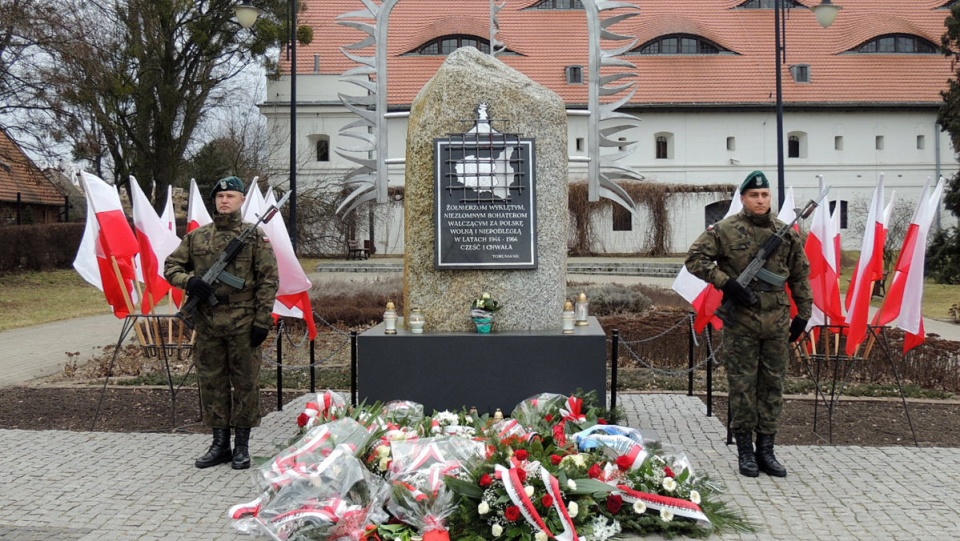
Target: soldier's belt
{"x": 234, "y": 298}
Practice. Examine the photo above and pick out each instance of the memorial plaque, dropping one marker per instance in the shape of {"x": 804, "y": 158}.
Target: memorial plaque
{"x": 485, "y": 201}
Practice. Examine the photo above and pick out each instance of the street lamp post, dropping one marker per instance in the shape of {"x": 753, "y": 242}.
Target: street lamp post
{"x": 246, "y": 16}
{"x": 826, "y": 13}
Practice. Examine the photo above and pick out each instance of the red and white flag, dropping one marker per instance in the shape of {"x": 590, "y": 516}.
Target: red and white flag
{"x": 824, "y": 273}
{"x": 105, "y": 257}
{"x": 156, "y": 241}
{"x": 786, "y": 215}
{"x": 904, "y": 310}
{"x": 869, "y": 270}
{"x": 197, "y": 214}
{"x": 293, "y": 295}
{"x": 704, "y": 297}
{"x": 169, "y": 217}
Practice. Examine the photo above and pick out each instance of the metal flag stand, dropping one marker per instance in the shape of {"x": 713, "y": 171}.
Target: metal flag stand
{"x": 160, "y": 336}
{"x": 831, "y": 361}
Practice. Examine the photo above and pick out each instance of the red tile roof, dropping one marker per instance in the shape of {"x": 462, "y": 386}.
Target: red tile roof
{"x": 549, "y": 40}
{"x": 18, "y": 174}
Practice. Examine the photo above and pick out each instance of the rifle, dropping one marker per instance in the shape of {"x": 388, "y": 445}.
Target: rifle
{"x": 755, "y": 269}
{"x": 218, "y": 273}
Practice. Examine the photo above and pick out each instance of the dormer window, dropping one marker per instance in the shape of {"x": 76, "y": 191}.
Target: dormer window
{"x": 445, "y": 45}
{"x": 574, "y": 75}
{"x": 800, "y": 73}
{"x": 769, "y": 4}
{"x": 896, "y": 44}
{"x": 679, "y": 44}
{"x": 557, "y": 4}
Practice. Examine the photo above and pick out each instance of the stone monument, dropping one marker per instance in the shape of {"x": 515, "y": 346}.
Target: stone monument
{"x": 475, "y": 91}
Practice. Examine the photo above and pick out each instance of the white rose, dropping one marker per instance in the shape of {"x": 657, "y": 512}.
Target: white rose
{"x": 383, "y": 450}
{"x": 639, "y": 507}
{"x": 529, "y": 490}
{"x": 573, "y": 509}
{"x": 496, "y": 530}
{"x": 669, "y": 484}
{"x": 483, "y": 508}
{"x": 384, "y": 463}
{"x": 571, "y": 484}
{"x": 541, "y": 536}
{"x": 695, "y": 497}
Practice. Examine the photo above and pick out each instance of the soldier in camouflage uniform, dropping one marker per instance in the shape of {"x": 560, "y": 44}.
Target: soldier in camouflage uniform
{"x": 229, "y": 335}
{"x": 756, "y": 336}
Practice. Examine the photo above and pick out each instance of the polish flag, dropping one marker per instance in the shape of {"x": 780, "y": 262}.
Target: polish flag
{"x": 156, "y": 243}
{"x": 293, "y": 295}
{"x": 901, "y": 309}
{"x": 105, "y": 257}
{"x": 169, "y": 217}
{"x": 704, "y": 297}
{"x": 786, "y": 215}
{"x": 824, "y": 273}
{"x": 869, "y": 270}
{"x": 197, "y": 214}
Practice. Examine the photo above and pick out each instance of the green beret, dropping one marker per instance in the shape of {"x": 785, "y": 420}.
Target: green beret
{"x": 229, "y": 184}
{"x": 754, "y": 181}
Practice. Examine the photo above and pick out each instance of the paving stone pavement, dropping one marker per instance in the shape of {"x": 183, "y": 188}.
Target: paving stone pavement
{"x": 83, "y": 486}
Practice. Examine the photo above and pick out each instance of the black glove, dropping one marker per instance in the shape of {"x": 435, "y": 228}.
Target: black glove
{"x": 733, "y": 290}
{"x": 258, "y": 335}
{"x": 797, "y": 326}
{"x": 198, "y": 288}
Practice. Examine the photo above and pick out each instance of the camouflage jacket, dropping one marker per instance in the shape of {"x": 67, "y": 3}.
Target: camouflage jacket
{"x": 255, "y": 264}
{"x": 726, "y": 248}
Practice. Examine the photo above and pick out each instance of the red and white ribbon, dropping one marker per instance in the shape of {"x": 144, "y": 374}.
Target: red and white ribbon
{"x": 514, "y": 488}
{"x": 572, "y": 412}
{"x": 569, "y": 532}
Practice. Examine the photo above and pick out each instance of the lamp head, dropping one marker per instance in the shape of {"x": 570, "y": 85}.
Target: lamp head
{"x": 826, "y": 12}
{"x": 246, "y": 13}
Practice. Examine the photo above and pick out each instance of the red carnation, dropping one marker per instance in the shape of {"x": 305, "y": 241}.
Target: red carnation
{"x": 522, "y": 475}
{"x": 548, "y": 417}
{"x": 559, "y": 435}
{"x": 486, "y": 480}
{"x": 624, "y": 462}
{"x": 602, "y": 421}
{"x": 668, "y": 472}
{"x": 594, "y": 471}
{"x": 546, "y": 500}
{"x": 555, "y": 459}
{"x": 521, "y": 454}
{"x": 512, "y": 513}
{"x": 303, "y": 419}
{"x": 614, "y": 503}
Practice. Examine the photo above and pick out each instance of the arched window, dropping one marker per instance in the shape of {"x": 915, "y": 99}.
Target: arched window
{"x": 896, "y": 44}
{"x": 557, "y": 4}
{"x": 663, "y": 145}
{"x": 323, "y": 148}
{"x": 843, "y": 212}
{"x": 797, "y": 144}
{"x": 445, "y": 45}
{"x": 679, "y": 44}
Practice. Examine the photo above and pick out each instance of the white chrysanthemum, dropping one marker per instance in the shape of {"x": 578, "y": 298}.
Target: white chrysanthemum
{"x": 571, "y": 484}
{"x": 579, "y": 460}
{"x": 483, "y": 508}
{"x": 384, "y": 463}
{"x": 695, "y": 497}
{"x": 383, "y": 450}
{"x": 573, "y": 509}
{"x": 529, "y": 490}
{"x": 669, "y": 484}
{"x": 540, "y": 536}
{"x": 639, "y": 507}
{"x": 666, "y": 515}
{"x": 496, "y": 530}
{"x": 447, "y": 418}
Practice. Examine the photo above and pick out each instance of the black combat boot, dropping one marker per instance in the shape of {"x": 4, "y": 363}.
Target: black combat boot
{"x": 765, "y": 460}
{"x": 241, "y": 449}
{"x": 219, "y": 451}
{"x": 745, "y": 455}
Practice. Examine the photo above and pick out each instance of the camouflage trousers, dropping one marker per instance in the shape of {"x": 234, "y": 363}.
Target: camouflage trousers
{"x": 756, "y": 368}
{"x": 228, "y": 369}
